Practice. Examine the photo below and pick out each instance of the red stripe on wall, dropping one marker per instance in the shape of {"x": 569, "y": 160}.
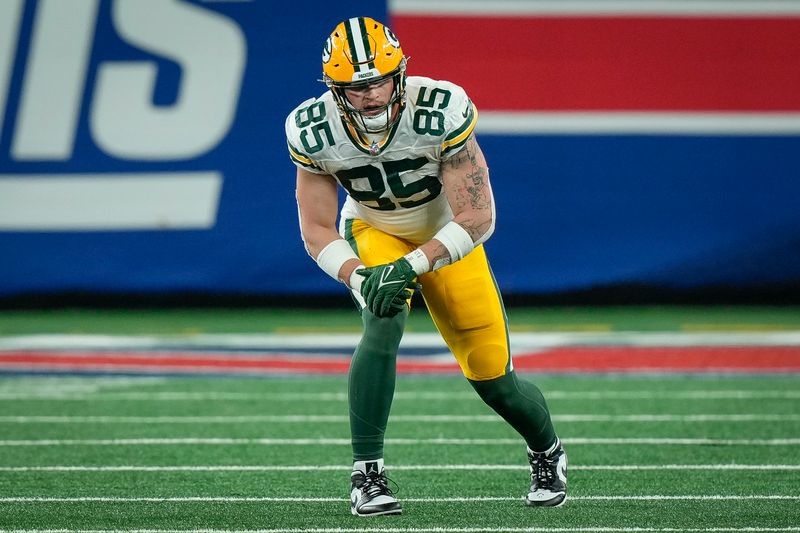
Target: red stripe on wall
{"x": 663, "y": 359}
{"x": 750, "y": 359}
{"x": 610, "y": 63}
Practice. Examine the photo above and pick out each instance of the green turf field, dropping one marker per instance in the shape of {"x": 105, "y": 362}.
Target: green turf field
{"x": 655, "y": 453}
{"x": 258, "y": 320}
{"x": 704, "y": 453}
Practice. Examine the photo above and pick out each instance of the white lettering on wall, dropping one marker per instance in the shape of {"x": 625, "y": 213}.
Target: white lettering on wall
{"x": 102, "y": 202}
{"x": 10, "y": 13}
{"x": 211, "y": 53}
{"x": 54, "y": 81}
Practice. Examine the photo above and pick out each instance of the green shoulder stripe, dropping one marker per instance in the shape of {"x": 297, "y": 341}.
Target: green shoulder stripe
{"x": 299, "y": 157}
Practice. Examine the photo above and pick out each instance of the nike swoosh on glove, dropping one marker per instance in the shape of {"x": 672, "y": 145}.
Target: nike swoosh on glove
{"x": 387, "y": 287}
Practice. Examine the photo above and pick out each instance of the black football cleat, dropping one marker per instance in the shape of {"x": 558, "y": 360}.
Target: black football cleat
{"x": 370, "y": 494}
{"x": 548, "y": 478}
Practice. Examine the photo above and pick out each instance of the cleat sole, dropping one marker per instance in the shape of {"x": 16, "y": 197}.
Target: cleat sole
{"x": 555, "y": 502}
{"x": 388, "y": 512}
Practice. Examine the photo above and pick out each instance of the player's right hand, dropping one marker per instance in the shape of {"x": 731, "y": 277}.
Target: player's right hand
{"x": 387, "y": 287}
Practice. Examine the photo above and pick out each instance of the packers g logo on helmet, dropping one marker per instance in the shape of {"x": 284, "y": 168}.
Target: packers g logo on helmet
{"x": 391, "y": 37}
{"x": 326, "y": 51}
{"x": 359, "y": 52}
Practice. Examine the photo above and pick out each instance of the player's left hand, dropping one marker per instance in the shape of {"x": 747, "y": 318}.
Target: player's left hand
{"x": 386, "y": 287}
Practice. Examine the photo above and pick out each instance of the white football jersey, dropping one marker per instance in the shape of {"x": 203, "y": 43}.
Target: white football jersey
{"x": 393, "y": 184}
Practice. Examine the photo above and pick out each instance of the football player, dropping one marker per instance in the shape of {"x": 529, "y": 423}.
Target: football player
{"x": 418, "y": 209}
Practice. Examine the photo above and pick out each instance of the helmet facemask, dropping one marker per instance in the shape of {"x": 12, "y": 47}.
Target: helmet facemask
{"x": 367, "y": 121}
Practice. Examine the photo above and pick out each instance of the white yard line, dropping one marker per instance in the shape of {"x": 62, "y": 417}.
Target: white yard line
{"x": 599, "y": 529}
{"x": 396, "y": 441}
{"x": 291, "y": 419}
{"x": 346, "y": 468}
{"x": 299, "y": 499}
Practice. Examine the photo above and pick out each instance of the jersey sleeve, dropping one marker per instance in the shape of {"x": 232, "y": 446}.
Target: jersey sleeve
{"x": 293, "y": 142}
{"x": 460, "y": 119}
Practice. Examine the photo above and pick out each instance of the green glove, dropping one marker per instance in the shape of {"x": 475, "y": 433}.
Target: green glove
{"x": 387, "y": 287}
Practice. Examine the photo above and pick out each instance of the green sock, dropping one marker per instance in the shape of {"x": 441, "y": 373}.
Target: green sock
{"x": 371, "y": 383}
{"x": 522, "y": 405}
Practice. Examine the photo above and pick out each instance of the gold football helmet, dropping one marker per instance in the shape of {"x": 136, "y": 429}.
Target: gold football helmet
{"x": 360, "y": 52}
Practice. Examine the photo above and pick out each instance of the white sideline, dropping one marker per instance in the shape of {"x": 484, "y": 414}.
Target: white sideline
{"x": 519, "y": 340}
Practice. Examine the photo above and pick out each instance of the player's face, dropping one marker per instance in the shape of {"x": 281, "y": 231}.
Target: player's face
{"x": 371, "y": 99}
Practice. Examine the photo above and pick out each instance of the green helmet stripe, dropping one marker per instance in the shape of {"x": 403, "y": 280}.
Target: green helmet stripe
{"x": 365, "y": 39}
{"x": 351, "y": 40}
{"x": 358, "y": 40}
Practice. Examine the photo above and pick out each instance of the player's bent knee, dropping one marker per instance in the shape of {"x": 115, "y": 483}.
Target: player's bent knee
{"x": 495, "y": 392}
{"x": 383, "y": 333}
{"x": 486, "y": 362}
{"x": 393, "y": 325}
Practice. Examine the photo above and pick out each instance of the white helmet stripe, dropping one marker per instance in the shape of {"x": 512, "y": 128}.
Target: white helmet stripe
{"x": 357, "y": 39}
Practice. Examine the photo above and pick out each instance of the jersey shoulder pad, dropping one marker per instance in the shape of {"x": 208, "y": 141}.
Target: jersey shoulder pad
{"x": 301, "y": 142}
{"x": 457, "y": 113}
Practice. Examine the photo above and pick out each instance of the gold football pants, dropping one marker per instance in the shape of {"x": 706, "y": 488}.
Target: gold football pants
{"x": 462, "y": 298}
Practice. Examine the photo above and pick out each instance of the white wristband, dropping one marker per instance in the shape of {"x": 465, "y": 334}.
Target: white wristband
{"x": 418, "y": 261}
{"x": 457, "y": 241}
{"x": 333, "y": 256}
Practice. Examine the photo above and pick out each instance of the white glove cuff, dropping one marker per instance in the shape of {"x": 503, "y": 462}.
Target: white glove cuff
{"x": 356, "y": 280}
{"x": 457, "y": 241}
{"x": 334, "y": 255}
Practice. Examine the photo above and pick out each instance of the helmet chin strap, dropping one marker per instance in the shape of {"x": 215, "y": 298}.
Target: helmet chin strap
{"x": 377, "y": 123}
{"x": 370, "y": 124}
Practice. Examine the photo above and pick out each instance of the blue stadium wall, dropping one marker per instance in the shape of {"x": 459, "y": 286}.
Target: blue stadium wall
{"x": 142, "y": 153}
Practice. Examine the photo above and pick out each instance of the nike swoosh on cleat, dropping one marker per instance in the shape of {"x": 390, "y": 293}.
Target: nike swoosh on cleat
{"x": 562, "y": 472}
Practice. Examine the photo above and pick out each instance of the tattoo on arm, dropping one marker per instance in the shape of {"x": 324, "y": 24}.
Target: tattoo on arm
{"x": 475, "y": 184}
{"x": 471, "y": 192}
{"x": 468, "y": 154}
{"x": 439, "y": 253}
{"x": 475, "y": 228}
{"x": 473, "y": 187}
